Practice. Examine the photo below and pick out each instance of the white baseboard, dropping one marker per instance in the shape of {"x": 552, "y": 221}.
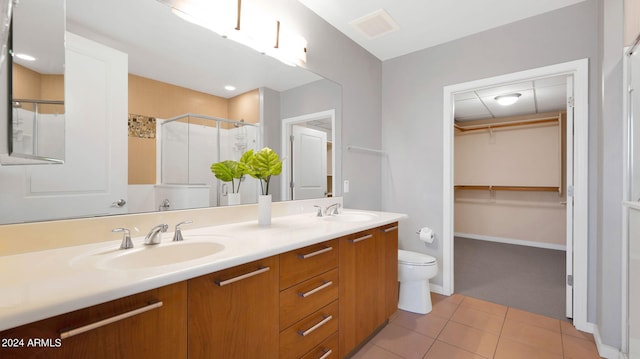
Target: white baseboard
{"x": 437, "y": 289}
{"x": 559, "y": 247}
{"x": 605, "y": 351}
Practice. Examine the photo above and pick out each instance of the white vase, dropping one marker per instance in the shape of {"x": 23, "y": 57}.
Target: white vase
{"x": 264, "y": 210}
{"x": 233, "y": 199}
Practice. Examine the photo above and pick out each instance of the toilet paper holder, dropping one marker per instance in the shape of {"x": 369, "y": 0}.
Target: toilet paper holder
{"x": 426, "y": 234}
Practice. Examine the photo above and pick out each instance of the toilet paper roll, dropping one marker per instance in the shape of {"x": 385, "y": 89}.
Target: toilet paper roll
{"x": 426, "y": 235}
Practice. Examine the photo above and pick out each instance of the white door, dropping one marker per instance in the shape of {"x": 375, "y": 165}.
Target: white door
{"x": 309, "y": 163}
{"x": 569, "y": 192}
{"x": 93, "y": 177}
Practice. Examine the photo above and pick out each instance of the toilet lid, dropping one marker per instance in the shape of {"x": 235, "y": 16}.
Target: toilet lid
{"x": 415, "y": 258}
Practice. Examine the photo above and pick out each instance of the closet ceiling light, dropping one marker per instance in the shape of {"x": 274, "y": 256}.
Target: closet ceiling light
{"x": 26, "y": 57}
{"x": 230, "y": 88}
{"x": 506, "y": 100}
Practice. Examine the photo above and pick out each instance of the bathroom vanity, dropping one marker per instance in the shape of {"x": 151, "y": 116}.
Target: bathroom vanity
{"x": 304, "y": 287}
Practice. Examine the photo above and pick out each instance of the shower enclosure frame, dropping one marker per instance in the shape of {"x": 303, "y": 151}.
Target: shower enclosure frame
{"x": 218, "y": 121}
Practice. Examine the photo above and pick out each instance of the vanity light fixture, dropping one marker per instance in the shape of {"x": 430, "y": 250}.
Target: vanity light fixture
{"x": 289, "y": 48}
{"x": 250, "y": 27}
{"x": 507, "y": 100}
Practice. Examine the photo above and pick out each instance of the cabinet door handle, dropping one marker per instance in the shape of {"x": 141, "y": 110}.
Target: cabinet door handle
{"x": 326, "y": 354}
{"x": 361, "y": 238}
{"x": 316, "y": 289}
{"x": 309, "y": 255}
{"x": 387, "y": 230}
{"x": 102, "y": 323}
{"x": 221, "y": 283}
{"x": 325, "y": 320}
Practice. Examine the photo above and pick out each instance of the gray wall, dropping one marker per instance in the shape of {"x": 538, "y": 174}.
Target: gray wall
{"x": 334, "y": 56}
{"x": 412, "y": 126}
{"x": 314, "y": 97}
{"x": 321, "y": 95}
{"x": 610, "y": 150}
{"x": 270, "y": 108}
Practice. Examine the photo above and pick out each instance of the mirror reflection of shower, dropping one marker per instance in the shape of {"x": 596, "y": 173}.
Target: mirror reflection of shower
{"x": 240, "y": 136}
{"x": 38, "y": 129}
{"x": 188, "y": 145}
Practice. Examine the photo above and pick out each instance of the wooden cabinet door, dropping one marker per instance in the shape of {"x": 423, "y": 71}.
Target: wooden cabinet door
{"x": 233, "y": 313}
{"x": 361, "y": 288}
{"x": 389, "y": 239}
{"x": 151, "y": 324}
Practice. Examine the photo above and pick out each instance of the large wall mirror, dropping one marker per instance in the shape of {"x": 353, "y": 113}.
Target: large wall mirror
{"x": 36, "y": 83}
{"x": 151, "y": 102}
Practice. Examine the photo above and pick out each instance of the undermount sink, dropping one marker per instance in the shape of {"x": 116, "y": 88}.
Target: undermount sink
{"x": 161, "y": 254}
{"x": 350, "y": 217}
{"x": 148, "y": 256}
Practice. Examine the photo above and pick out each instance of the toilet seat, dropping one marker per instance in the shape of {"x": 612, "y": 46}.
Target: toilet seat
{"x": 415, "y": 258}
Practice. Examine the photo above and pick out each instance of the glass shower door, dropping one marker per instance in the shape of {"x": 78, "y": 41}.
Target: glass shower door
{"x": 235, "y": 140}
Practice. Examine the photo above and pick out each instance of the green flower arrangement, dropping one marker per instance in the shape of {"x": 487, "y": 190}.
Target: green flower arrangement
{"x": 230, "y": 171}
{"x": 262, "y": 165}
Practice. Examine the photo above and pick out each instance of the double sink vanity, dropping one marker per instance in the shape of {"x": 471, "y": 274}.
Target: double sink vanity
{"x": 303, "y": 287}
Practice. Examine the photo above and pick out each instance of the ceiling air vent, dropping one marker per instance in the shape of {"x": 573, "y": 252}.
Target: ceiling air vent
{"x": 376, "y": 24}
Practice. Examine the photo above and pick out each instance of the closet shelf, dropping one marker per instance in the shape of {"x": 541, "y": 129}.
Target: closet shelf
{"x": 507, "y": 188}
{"x": 507, "y": 124}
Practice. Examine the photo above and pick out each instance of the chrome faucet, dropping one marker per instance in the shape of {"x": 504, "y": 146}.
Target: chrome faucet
{"x": 177, "y": 235}
{"x": 333, "y": 209}
{"x": 126, "y": 238}
{"x": 320, "y": 212}
{"x": 165, "y": 205}
{"x": 154, "y": 235}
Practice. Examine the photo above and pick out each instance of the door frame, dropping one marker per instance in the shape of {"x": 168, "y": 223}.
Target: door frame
{"x": 580, "y": 71}
{"x": 300, "y": 159}
{"x": 285, "y": 145}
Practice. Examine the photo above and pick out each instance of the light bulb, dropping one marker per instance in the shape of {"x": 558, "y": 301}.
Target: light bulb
{"x": 506, "y": 100}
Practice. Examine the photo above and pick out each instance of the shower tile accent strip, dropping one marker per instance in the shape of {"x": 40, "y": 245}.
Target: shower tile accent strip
{"x": 142, "y": 126}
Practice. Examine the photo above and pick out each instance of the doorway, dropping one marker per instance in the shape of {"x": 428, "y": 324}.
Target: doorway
{"x": 309, "y": 162}
{"x": 575, "y": 186}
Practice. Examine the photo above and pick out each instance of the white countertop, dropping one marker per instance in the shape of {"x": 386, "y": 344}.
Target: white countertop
{"x": 39, "y": 285}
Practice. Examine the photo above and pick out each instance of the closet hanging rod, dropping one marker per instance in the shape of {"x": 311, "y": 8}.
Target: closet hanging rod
{"x": 365, "y": 149}
{"x": 507, "y": 124}
{"x": 507, "y": 188}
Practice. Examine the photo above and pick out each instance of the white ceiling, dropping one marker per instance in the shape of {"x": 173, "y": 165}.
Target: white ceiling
{"x": 538, "y": 96}
{"x": 416, "y": 25}
{"x": 424, "y": 23}
{"x": 164, "y": 47}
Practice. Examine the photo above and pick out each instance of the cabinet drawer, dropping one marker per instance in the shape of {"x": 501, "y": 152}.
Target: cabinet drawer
{"x": 309, "y": 332}
{"x": 305, "y": 298}
{"x": 328, "y": 349}
{"x": 148, "y": 324}
{"x": 301, "y": 264}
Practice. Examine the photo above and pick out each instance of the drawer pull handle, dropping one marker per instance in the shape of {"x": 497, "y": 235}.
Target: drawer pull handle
{"x": 309, "y": 255}
{"x": 221, "y": 283}
{"x": 316, "y": 289}
{"x": 102, "y": 323}
{"x": 390, "y": 229}
{"x": 326, "y": 354}
{"x": 324, "y": 321}
{"x": 361, "y": 238}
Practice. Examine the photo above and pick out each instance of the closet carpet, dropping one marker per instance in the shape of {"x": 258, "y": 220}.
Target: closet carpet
{"x": 526, "y": 278}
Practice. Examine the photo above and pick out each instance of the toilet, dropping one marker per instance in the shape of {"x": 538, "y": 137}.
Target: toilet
{"x": 414, "y": 271}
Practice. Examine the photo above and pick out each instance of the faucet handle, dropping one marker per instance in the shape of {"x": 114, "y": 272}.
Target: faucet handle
{"x": 177, "y": 236}
{"x": 319, "y": 213}
{"x": 126, "y": 238}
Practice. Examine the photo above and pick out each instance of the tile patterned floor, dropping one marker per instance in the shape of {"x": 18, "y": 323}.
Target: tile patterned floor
{"x": 461, "y": 327}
